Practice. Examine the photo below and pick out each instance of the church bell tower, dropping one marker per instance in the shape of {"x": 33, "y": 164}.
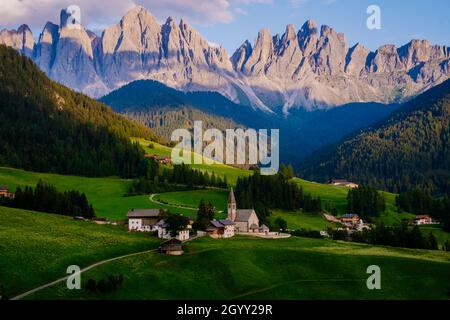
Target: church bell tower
{"x": 231, "y": 206}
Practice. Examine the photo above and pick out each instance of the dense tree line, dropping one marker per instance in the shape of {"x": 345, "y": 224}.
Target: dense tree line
{"x": 408, "y": 149}
{"x": 46, "y": 127}
{"x": 165, "y": 120}
{"x": 109, "y": 284}
{"x": 205, "y": 214}
{"x": 273, "y": 192}
{"x": 395, "y": 236}
{"x": 45, "y": 198}
{"x": 159, "y": 179}
{"x": 421, "y": 202}
{"x": 366, "y": 201}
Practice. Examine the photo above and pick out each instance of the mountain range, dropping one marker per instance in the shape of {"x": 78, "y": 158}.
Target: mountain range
{"x": 309, "y": 68}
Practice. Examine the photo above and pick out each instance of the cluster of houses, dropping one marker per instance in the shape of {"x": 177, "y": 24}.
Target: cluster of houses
{"x": 343, "y": 183}
{"x": 159, "y": 159}
{"x": 244, "y": 221}
{"x": 423, "y": 219}
{"x": 150, "y": 220}
{"x": 4, "y": 192}
{"x": 349, "y": 222}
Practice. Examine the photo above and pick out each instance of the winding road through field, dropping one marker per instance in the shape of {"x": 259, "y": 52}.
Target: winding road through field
{"x": 23, "y": 295}
{"x": 152, "y": 196}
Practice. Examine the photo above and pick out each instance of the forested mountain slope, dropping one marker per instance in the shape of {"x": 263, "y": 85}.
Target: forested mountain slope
{"x": 47, "y": 127}
{"x": 409, "y": 148}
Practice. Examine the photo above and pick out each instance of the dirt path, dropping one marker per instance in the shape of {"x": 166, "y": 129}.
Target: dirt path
{"x": 23, "y": 295}
{"x": 151, "y": 198}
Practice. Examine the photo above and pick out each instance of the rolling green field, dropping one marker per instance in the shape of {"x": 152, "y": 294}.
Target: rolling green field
{"x": 222, "y": 170}
{"x": 191, "y": 199}
{"x": 36, "y": 248}
{"x": 107, "y": 195}
{"x": 302, "y": 220}
{"x": 335, "y": 196}
{"x": 252, "y": 268}
{"x": 441, "y": 235}
{"x": 330, "y": 195}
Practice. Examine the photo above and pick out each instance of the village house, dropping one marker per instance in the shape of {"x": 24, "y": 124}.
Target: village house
{"x": 4, "y": 192}
{"x": 423, "y": 219}
{"x": 353, "y": 222}
{"x": 245, "y": 220}
{"x": 159, "y": 159}
{"x": 350, "y": 218}
{"x": 143, "y": 220}
{"x": 164, "y": 233}
{"x": 173, "y": 247}
{"x": 220, "y": 229}
{"x": 343, "y": 183}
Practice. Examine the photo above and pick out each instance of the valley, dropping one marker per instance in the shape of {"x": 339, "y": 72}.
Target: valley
{"x": 88, "y": 180}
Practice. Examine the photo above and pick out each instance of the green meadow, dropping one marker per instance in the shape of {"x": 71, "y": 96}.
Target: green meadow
{"x": 251, "y": 268}
{"x": 302, "y": 220}
{"x": 36, "y": 248}
{"x": 221, "y": 170}
{"x": 191, "y": 199}
{"x": 107, "y": 195}
{"x": 336, "y": 196}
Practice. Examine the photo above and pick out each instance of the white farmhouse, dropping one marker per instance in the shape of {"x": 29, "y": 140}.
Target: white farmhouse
{"x": 143, "y": 220}
{"x": 164, "y": 233}
{"x": 220, "y": 229}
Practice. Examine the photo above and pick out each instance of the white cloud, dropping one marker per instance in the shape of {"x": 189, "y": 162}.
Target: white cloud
{"x": 105, "y": 12}
{"x": 299, "y": 3}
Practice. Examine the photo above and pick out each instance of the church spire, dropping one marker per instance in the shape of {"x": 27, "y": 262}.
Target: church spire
{"x": 231, "y": 206}
{"x": 231, "y": 198}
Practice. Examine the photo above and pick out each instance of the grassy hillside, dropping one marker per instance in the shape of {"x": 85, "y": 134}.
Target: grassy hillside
{"x": 191, "y": 199}
{"x": 36, "y": 248}
{"x": 302, "y": 220}
{"x": 336, "y": 196}
{"x": 106, "y": 194}
{"x": 222, "y": 170}
{"x": 294, "y": 268}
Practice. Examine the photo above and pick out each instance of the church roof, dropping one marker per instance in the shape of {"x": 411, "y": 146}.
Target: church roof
{"x": 242, "y": 215}
{"x": 226, "y": 222}
{"x": 143, "y": 213}
{"x": 231, "y": 198}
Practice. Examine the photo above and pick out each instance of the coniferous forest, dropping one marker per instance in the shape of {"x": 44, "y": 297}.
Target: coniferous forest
{"x": 45, "y": 198}
{"x": 265, "y": 192}
{"x": 47, "y": 127}
{"x": 409, "y": 149}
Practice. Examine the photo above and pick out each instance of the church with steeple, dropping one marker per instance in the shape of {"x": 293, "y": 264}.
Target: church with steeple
{"x": 245, "y": 220}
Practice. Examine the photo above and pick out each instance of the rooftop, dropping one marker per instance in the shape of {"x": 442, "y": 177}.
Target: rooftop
{"x": 143, "y": 213}
{"x": 242, "y": 215}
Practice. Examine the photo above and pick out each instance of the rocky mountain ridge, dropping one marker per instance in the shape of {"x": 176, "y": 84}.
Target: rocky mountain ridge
{"x": 310, "y": 68}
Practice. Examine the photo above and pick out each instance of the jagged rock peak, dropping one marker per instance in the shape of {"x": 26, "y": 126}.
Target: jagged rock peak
{"x": 290, "y": 33}
{"x": 309, "y": 28}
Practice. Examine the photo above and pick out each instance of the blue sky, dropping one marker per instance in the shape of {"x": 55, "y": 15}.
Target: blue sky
{"x": 402, "y": 20}
{"x": 230, "y": 22}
